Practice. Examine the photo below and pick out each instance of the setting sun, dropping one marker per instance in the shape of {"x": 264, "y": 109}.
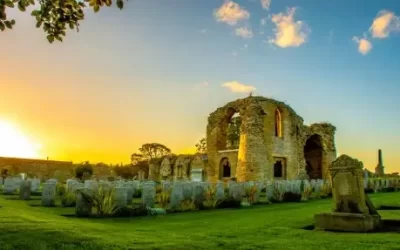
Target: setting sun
{"x": 14, "y": 143}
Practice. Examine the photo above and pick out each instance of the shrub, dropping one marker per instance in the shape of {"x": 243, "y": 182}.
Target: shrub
{"x": 389, "y": 189}
{"x": 307, "y": 192}
{"x": 68, "y": 199}
{"x": 159, "y": 189}
{"x": 163, "y": 198}
{"x": 137, "y": 193}
{"x": 61, "y": 190}
{"x": 137, "y": 211}
{"x": 291, "y": 197}
{"x": 125, "y": 172}
{"x": 369, "y": 190}
{"x": 84, "y": 171}
{"x": 326, "y": 191}
{"x": 251, "y": 194}
{"x": 228, "y": 203}
{"x": 188, "y": 205}
{"x": 278, "y": 193}
{"x": 209, "y": 198}
{"x": 102, "y": 200}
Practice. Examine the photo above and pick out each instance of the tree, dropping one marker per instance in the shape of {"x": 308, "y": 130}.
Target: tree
{"x": 136, "y": 158}
{"x": 54, "y": 15}
{"x": 152, "y": 151}
{"x": 202, "y": 146}
{"x": 84, "y": 171}
{"x": 233, "y": 133}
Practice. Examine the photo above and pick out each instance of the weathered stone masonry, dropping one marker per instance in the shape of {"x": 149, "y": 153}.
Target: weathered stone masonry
{"x": 274, "y": 142}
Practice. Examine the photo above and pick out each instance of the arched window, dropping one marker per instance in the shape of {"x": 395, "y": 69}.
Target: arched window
{"x": 278, "y": 123}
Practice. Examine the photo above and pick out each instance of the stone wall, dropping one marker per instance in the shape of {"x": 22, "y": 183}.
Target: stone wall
{"x": 260, "y": 144}
{"x": 42, "y": 169}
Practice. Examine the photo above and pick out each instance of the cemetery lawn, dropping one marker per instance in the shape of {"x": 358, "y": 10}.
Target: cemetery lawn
{"x": 275, "y": 226}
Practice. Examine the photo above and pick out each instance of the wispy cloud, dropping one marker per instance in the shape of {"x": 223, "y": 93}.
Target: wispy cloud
{"x": 266, "y": 4}
{"x": 203, "y": 31}
{"x": 364, "y": 46}
{"x": 384, "y": 23}
{"x": 231, "y": 13}
{"x": 244, "y": 32}
{"x": 288, "y": 32}
{"x": 238, "y": 87}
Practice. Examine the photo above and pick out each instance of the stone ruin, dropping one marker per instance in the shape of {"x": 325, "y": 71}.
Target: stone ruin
{"x": 352, "y": 209}
{"x": 178, "y": 168}
{"x": 274, "y": 143}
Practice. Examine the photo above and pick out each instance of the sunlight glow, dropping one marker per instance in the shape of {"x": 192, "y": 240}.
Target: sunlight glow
{"x": 14, "y": 143}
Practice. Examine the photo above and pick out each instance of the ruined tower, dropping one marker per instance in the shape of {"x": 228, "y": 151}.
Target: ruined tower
{"x": 380, "y": 169}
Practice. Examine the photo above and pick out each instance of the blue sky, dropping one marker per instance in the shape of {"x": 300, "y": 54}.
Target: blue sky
{"x": 140, "y": 73}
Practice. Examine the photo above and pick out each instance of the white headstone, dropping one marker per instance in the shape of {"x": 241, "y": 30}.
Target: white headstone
{"x": 48, "y": 194}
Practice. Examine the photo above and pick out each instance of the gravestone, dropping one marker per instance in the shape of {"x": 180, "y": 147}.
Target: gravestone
{"x": 220, "y": 191}
{"x": 70, "y": 183}
{"x": 83, "y": 207}
{"x": 197, "y": 175}
{"x": 198, "y": 193}
{"x": 352, "y": 210}
{"x": 35, "y": 184}
{"x": 235, "y": 191}
{"x": 129, "y": 192}
{"x": 48, "y": 194}
{"x": 149, "y": 195}
{"x": 9, "y": 186}
{"x": 176, "y": 195}
{"x": 269, "y": 190}
{"x": 121, "y": 196}
{"x": 187, "y": 190}
{"x": 92, "y": 185}
{"x": 25, "y": 190}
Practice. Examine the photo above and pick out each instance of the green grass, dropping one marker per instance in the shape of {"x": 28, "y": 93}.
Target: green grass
{"x": 275, "y": 226}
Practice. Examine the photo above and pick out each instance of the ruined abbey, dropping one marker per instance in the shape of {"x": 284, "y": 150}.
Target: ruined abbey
{"x": 274, "y": 143}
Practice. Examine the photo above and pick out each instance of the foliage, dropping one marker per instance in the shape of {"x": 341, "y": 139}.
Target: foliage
{"x": 54, "y": 16}
{"x": 68, "y": 199}
{"x": 159, "y": 189}
{"x": 307, "y": 193}
{"x": 136, "y": 158}
{"x": 188, "y": 205}
{"x": 163, "y": 198}
{"x": 137, "y": 193}
{"x": 157, "y": 211}
{"x": 326, "y": 191}
{"x": 278, "y": 193}
{"x": 84, "y": 171}
{"x": 233, "y": 132}
{"x": 125, "y": 172}
{"x": 209, "y": 197}
{"x": 152, "y": 151}
{"x": 251, "y": 194}
{"x": 102, "y": 200}
{"x": 201, "y": 146}
{"x": 135, "y": 211}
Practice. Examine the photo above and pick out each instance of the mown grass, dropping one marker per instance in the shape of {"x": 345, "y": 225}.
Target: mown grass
{"x": 275, "y": 226}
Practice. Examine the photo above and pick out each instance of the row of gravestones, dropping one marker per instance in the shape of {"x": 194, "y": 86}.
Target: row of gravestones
{"x": 12, "y": 184}
{"x": 379, "y": 184}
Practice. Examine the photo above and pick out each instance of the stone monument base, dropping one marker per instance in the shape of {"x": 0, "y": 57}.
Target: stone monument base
{"x": 347, "y": 222}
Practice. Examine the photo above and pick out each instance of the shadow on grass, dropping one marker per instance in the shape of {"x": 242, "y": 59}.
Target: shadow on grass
{"x": 388, "y": 226}
{"x": 17, "y": 198}
{"x": 388, "y": 207}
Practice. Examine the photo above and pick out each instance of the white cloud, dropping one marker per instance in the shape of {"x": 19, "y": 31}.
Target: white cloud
{"x": 244, "y": 32}
{"x": 238, "y": 87}
{"x": 364, "y": 46}
{"x": 231, "y": 13}
{"x": 288, "y": 32}
{"x": 203, "y": 31}
{"x": 384, "y": 23}
{"x": 266, "y": 4}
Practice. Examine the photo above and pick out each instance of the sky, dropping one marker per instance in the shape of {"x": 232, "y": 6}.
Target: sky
{"x": 155, "y": 70}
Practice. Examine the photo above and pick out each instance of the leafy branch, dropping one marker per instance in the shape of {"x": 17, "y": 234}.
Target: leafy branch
{"x": 54, "y": 16}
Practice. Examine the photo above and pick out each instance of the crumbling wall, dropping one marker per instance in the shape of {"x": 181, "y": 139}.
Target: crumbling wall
{"x": 42, "y": 169}
{"x": 259, "y": 146}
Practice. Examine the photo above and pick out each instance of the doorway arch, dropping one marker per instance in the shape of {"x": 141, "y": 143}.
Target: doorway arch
{"x": 313, "y": 155}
